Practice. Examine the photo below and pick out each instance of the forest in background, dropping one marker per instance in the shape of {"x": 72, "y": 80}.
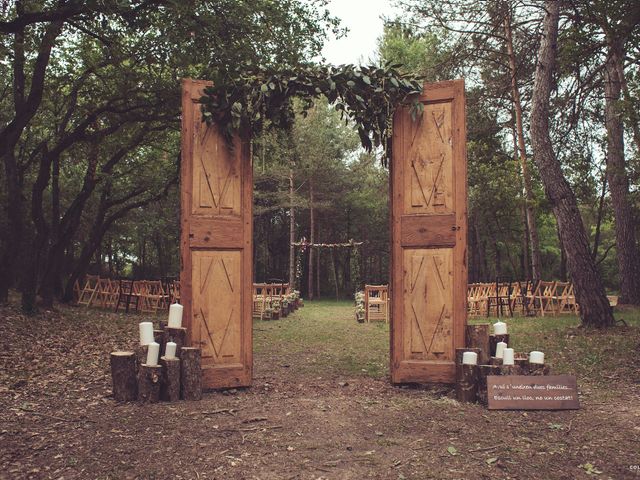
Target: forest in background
{"x": 90, "y": 138}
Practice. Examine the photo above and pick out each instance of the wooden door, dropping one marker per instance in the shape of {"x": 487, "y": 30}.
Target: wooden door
{"x": 216, "y": 245}
{"x": 428, "y": 237}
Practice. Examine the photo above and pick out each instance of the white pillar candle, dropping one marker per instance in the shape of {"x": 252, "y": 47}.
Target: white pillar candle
{"x": 146, "y": 333}
{"x": 500, "y": 328}
{"x": 152, "y": 354}
{"x": 469, "y": 358}
{"x": 507, "y": 356}
{"x": 500, "y": 346}
{"x": 175, "y": 315}
{"x": 536, "y": 357}
{"x": 170, "y": 350}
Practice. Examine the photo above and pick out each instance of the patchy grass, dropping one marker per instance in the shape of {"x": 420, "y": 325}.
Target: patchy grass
{"x": 324, "y": 338}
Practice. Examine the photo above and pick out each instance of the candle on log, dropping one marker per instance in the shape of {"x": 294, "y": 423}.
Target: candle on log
{"x": 508, "y": 357}
{"x": 500, "y": 346}
{"x": 146, "y": 333}
{"x": 175, "y": 315}
{"x": 536, "y": 357}
{"x": 469, "y": 358}
{"x": 123, "y": 374}
{"x": 170, "y": 350}
{"x": 177, "y": 336}
{"x": 499, "y": 328}
{"x": 152, "y": 354}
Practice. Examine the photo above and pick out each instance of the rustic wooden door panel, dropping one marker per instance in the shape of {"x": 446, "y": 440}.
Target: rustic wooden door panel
{"x": 216, "y": 246}
{"x": 428, "y": 221}
{"x": 217, "y": 318}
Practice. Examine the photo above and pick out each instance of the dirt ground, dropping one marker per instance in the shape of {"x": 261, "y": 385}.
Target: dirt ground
{"x": 58, "y": 420}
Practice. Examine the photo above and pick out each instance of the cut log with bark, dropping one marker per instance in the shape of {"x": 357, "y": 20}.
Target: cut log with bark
{"x": 190, "y": 374}
{"x": 467, "y": 383}
{"x": 495, "y": 361}
{"x": 510, "y": 370}
{"x": 158, "y": 337}
{"x": 483, "y": 372}
{"x": 176, "y": 335}
{"x": 149, "y": 381}
{"x": 170, "y": 386}
{"x": 522, "y": 361}
{"x": 123, "y": 376}
{"x": 141, "y": 355}
{"x": 478, "y": 337}
{"x": 538, "y": 369}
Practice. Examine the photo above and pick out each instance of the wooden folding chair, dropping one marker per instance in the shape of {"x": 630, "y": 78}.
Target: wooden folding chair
{"x": 88, "y": 294}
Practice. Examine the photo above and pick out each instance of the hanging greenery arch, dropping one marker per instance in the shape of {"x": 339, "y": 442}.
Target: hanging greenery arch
{"x": 253, "y": 97}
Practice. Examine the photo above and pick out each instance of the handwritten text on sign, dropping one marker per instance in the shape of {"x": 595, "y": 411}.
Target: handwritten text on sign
{"x": 521, "y": 392}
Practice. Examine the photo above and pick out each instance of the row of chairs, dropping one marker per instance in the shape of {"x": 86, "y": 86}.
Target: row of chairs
{"x": 526, "y": 298}
{"x": 145, "y": 296}
{"x": 269, "y": 300}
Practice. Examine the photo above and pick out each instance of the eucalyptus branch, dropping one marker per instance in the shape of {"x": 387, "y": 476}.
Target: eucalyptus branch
{"x": 367, "y": 96}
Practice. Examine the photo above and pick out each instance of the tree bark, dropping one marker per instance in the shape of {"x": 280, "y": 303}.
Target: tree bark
{"x": 123, "y": 375}
{"x": 170, "y": 386}
{"x": 292, "y": 234}
{"x": 590, "y": 295}
{"x": 529, "y": 197}
{"x": 626, "y": 246}
{"x": 149, "y": 381}
{"x": 190, "y": 374}
{"x": 311, "y": 239}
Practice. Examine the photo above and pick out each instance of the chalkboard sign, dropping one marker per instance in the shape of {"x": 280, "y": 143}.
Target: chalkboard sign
{"x": 522, "y": 392}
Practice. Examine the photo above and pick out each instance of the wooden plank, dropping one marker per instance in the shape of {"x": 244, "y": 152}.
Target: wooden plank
{"x": 523, "y": 392}
{"x": 441, "y": 230}
{"x": 428, "y": 232}
{"x": 216, "y": 246}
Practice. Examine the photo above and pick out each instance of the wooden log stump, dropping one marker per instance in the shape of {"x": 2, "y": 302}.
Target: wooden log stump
{"x": 459, "y": 355}
{"x": 467, "y": 383}
{"x": 141, "y": 355}
{"x": 123, "y": 376}
{"x": 510, "y": 370}
{"x": 495, "y": 361}
{"x": 483, "y": 372}
{"x": 522, "y": 361}
{"x": 478, "y": 337}
{"x": 495, "y": 339}
{"x": 176, "y": 335}
{"x": 170, "y": 385}
{"x": 149, "y": 380}
{"x": 190, "y": 374}
{"x": 158, "y": 336}
{"x": 538, "y": 369}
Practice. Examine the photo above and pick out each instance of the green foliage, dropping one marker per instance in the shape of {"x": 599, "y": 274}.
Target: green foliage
{"x": 248, "y": 97}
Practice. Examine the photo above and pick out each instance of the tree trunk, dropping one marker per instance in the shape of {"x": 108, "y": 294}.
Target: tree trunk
{"x": 628, "y": 259}
{"x": 529, "y": 197}
{"x": 594, "y": 307}
{"x": 292, "y": 234}
{"x": 596, "y": 237}
{"x": 311, "y": 240}
{"x": 334, "y": 273}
